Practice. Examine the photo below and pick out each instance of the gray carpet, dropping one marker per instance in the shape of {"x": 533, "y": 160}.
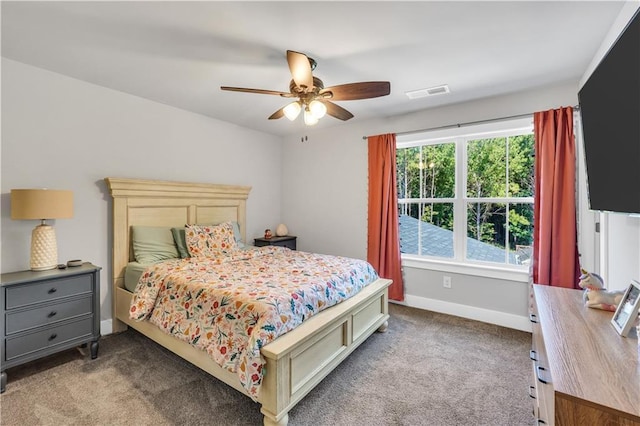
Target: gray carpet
{"x": 427, "y": 369}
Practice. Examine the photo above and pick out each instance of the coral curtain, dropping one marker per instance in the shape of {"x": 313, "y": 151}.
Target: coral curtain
{"x": 555, "y": 249}
{"x": 383, "y": 242}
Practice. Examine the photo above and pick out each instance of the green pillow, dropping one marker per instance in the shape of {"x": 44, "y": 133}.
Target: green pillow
{"x": 181, "y": 242}
{"x": 153, "y": 244}
{"x": 237, "y": 235}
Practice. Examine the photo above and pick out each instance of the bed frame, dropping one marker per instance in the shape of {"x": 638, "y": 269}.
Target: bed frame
{"x": 297, "y": 361}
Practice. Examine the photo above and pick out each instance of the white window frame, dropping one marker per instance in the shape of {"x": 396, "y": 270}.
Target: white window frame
{"x": 460, "y": 135}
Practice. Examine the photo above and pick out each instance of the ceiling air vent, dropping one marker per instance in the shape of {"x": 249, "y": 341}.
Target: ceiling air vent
{"x": 431, "y": 91}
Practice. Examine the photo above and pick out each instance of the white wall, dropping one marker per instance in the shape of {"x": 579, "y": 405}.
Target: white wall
{"x": 325, "y": 200}
{"x": 621, "y": 250}
{"x": 62, "y": 133}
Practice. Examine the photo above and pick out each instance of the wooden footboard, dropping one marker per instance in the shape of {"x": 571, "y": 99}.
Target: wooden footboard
{"x": 295, "y": 362}
{"x": 300, "y": 359}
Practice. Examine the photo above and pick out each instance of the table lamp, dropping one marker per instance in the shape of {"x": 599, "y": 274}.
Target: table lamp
{"x": 42, "y": 204}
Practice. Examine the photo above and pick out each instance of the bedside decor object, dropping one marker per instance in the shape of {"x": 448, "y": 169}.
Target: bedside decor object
{"x": 282, "y": 230}
{"x": 595, "y": 295}
{"x": 42, "y": 204}
{"x": 627, "y": 313}
{"x": 74, "y": 263}
{"x": 267, "y": 234}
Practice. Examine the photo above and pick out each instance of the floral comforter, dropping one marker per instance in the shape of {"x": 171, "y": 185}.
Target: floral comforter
{"x": 233, "y": 305}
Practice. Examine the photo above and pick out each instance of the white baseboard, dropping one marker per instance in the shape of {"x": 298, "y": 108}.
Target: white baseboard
{"x": 106, "y": 327}
{"x": 516, "y": 322}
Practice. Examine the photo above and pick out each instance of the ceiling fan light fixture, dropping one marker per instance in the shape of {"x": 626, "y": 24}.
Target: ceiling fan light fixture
{"x": 317, "y": 109}
{"x": 292, "y": 110}
{"x": 309, "y": 118}
{"x": 312, "y": 97}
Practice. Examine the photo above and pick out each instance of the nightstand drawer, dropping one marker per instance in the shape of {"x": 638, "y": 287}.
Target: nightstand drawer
{"x": 57, "y": 335}
{"x": 28, "y": 294}
{"x": 30, "y": 318}
{"x": 288, "y": 241}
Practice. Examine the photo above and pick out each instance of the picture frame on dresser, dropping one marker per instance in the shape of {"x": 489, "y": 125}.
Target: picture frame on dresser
{"x": 626, "y": 313}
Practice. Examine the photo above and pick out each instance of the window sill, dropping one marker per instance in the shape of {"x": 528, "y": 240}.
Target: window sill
{"x": 487, "y": 271}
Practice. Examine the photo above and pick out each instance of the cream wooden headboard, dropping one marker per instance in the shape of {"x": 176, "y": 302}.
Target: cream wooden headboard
{"x": 163, "y": 203}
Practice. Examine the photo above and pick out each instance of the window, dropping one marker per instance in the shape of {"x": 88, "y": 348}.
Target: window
{"x": 466, "y": 194}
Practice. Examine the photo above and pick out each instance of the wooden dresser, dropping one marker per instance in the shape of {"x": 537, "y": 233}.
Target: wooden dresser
{"x": 584, "y": 372}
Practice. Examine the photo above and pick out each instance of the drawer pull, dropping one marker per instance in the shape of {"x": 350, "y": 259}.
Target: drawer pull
{"x": 531, "y": 395}
{"x": 53, "y": 336}
{"x": 533, "y": 318}
{"x": 532, "y": 355}
{"x": 52, "y": 314}
{"x": 541, "y": 422}
{"x": 539, "y": 374}
{"x": 52, "y": 290}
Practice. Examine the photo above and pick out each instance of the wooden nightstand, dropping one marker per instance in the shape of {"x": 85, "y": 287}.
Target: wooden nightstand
{"x": 46, "y": 312}
{"x": 286, "y": 241}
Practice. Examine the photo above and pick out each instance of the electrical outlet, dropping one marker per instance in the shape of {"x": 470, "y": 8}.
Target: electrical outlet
{"x": 446, "y": 282}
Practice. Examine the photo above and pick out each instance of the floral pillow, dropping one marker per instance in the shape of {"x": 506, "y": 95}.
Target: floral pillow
{"x": 210, "y": 241}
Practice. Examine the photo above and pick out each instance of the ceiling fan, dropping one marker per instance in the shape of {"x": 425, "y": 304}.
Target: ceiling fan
{"x": 313, "y": 98}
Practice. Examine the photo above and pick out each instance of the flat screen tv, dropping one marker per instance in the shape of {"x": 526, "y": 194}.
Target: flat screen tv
{"x": 610, "y": 111}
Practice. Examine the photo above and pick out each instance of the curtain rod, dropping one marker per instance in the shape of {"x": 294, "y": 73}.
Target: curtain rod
{"x": 469, "y": 123}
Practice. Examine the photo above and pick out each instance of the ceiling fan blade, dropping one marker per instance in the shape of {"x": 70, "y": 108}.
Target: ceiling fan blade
{"x": 278, "y": 114}
{"x": 300, "y": 68}
{"x": 260, "y": 91}
{"x": 337, "y": 111}
{"x": 353, "y": 91}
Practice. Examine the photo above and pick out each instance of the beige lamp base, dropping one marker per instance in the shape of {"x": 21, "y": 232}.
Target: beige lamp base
{"x": 44, "y": 248}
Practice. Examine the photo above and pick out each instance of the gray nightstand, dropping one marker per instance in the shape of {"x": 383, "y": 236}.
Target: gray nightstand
{"x": 286, "y": 241}
{"x": 46, "y": 312}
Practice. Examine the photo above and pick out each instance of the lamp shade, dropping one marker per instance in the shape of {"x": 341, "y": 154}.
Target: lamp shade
{"x": 309, "y": 118}
{"x": 292, "y": 110}
{"x": 318, "y": 109}
{"x": 41, "y": 204}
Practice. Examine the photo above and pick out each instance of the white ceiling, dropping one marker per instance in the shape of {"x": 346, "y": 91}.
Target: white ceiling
{"x": 180, "y": 53}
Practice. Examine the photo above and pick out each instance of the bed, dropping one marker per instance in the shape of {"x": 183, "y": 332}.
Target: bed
{"x": 294, "y": 362}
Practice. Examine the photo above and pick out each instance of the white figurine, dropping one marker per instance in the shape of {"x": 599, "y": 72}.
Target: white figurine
{"x": 595, "y": 295}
